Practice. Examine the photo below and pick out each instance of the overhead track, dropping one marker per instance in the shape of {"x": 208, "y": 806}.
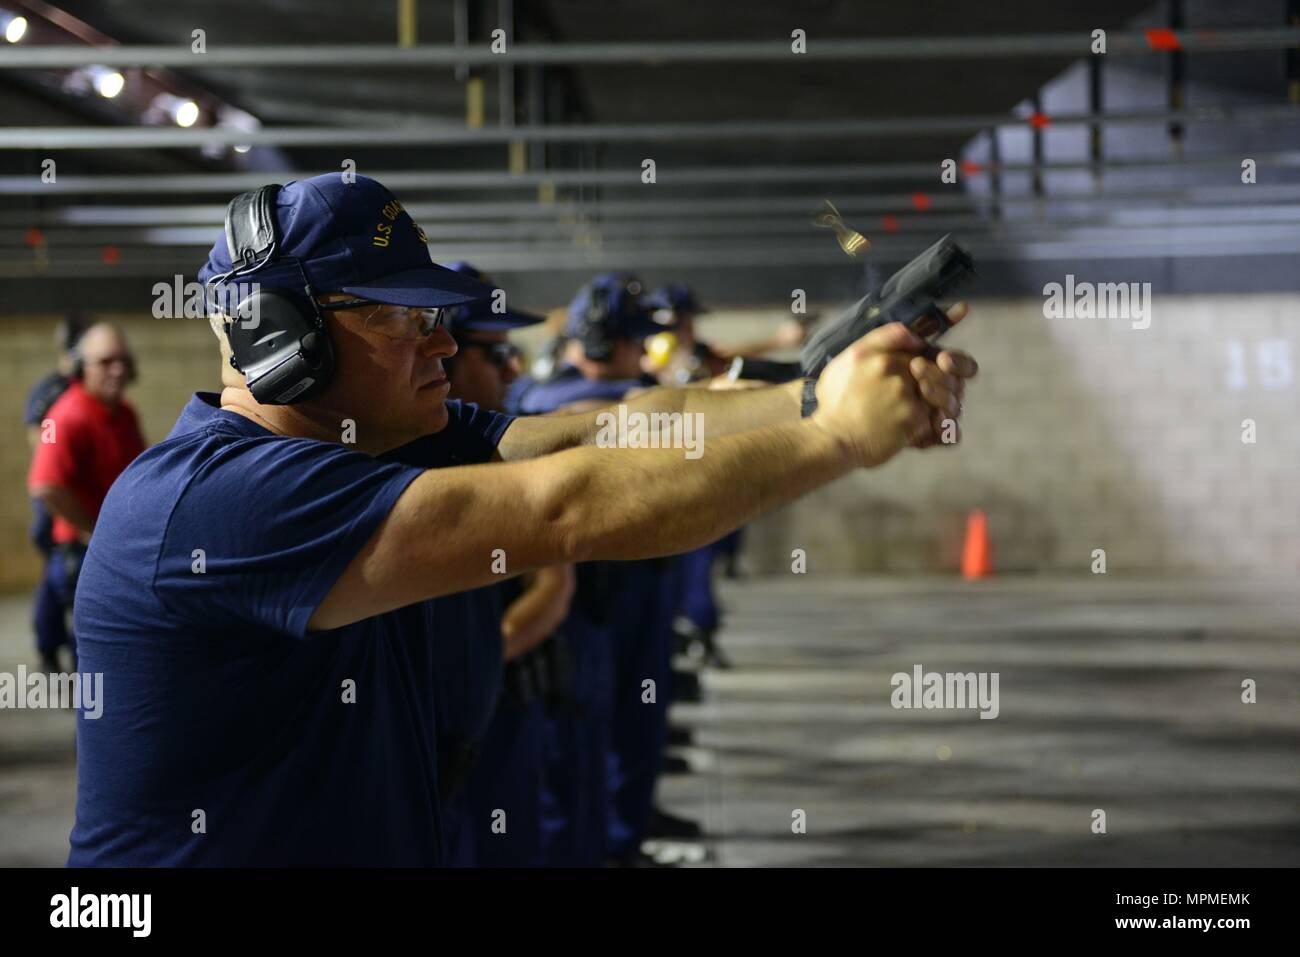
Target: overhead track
{"x": 427, "y": 135}
{"x": 380, "y": 56}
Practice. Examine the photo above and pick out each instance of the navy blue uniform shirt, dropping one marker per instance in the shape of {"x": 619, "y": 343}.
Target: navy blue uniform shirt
{"x": 527, "y": 396}
{"x": 599, "y": 584}
{"x": 468, "y": 652}
{"x": 229, "y": 734}
{"x": 43, "y": 395}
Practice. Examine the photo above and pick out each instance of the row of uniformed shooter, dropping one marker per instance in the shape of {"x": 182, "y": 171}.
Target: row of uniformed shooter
{"x": 326, "y": 685}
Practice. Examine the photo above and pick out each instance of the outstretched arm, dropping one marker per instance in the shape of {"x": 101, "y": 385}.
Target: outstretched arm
{"x": 726, "y": 411}
{"x": 617, "y": 504}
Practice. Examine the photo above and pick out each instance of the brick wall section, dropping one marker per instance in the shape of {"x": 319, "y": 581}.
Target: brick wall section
{"x": 1081, "y": 434}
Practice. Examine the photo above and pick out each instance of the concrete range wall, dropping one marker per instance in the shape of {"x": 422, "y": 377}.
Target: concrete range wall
{"x": 1079, "y": 434}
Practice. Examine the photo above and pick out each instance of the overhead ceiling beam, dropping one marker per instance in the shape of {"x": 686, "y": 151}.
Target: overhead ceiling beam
{"x": 379, "y": 56}
{"x": 231, "y": 183}
{"x": 684, "y": 208}
{"x": 721, "y": 231}
{"x": 428, "y": 135}
{"x": 1120, "y": 242}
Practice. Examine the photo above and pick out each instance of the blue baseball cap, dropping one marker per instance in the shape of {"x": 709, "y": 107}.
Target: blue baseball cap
{"x": 622, "y": 312}
{"x": 479, "y": 316}
{"x": 675, "y": 296}
{"x": 352, "y": 237}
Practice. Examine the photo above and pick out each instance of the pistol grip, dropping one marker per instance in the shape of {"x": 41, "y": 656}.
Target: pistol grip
{"x": 930, "y": 324}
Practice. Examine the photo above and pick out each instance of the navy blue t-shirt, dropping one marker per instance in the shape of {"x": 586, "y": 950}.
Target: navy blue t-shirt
{"x": 601, "y": 586}
{"x": 468, "y": 653}
{"x": 229, "y": 734}
{"x": 528, "y": 396}
{"x": 43, "y": 395}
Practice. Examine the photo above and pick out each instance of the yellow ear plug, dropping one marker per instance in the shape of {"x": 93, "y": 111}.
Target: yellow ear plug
{"x": 659, "y": 349}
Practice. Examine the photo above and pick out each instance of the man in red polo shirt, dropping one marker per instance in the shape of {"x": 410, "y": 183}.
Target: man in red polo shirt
{"x": 86, "y": 439}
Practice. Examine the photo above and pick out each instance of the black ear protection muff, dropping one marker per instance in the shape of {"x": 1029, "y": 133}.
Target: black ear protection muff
{"x": 277, "y": 338}
{"x": 592, "y": 332}
{"x": 607, "y": 303}
{"x": 71, "y": 329}
{"x": 72, "y": 332}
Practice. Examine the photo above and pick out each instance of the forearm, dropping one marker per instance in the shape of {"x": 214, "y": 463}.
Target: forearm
{"x": 725, "y": 413}
{"x": 538, "y": 611}
{"x": 451, "y": 527}
{"x": 622, "y": 504}
{"x": 63, "y": 503}
{"x": 458, "y": 528}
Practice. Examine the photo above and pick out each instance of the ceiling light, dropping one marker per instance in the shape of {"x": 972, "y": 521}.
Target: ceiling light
{"x": 108, "y": 83}
{"x": 230, "y": 117}
{"x": 187, "y": 113}
{"x": 15, "y": 27}
{"x": 178, "y": 109}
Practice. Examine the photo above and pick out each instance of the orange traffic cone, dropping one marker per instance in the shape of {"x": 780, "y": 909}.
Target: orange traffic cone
{"x": 977, "y": 554}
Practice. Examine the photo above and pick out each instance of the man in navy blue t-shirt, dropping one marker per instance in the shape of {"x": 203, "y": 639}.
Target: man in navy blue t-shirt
{"x": 604, "y": 757}
{"x": 257, "y": 593}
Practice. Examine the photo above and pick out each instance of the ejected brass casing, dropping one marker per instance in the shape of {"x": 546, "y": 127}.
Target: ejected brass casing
{"x": 850, "y": 240}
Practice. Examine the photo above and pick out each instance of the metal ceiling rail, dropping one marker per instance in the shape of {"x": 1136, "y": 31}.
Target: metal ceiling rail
{"x": 725, "y": 230}
{"x": 229, "y": 183}
{"x": 208, "y": 214}
{"x": 796, "y": 213}
{"x": 1119, "y": 244}
{"x": 381, "y": 56}
{"x": 722, "y": 231}
{"x": 1127, "y": 242}
{"x": 91, "y": 138}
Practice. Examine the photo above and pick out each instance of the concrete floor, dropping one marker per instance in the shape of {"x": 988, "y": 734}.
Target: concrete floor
{"x": 1119, "y": 695}
{"x": 1124, "y": 696}
{"x": 38, "y": 776}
